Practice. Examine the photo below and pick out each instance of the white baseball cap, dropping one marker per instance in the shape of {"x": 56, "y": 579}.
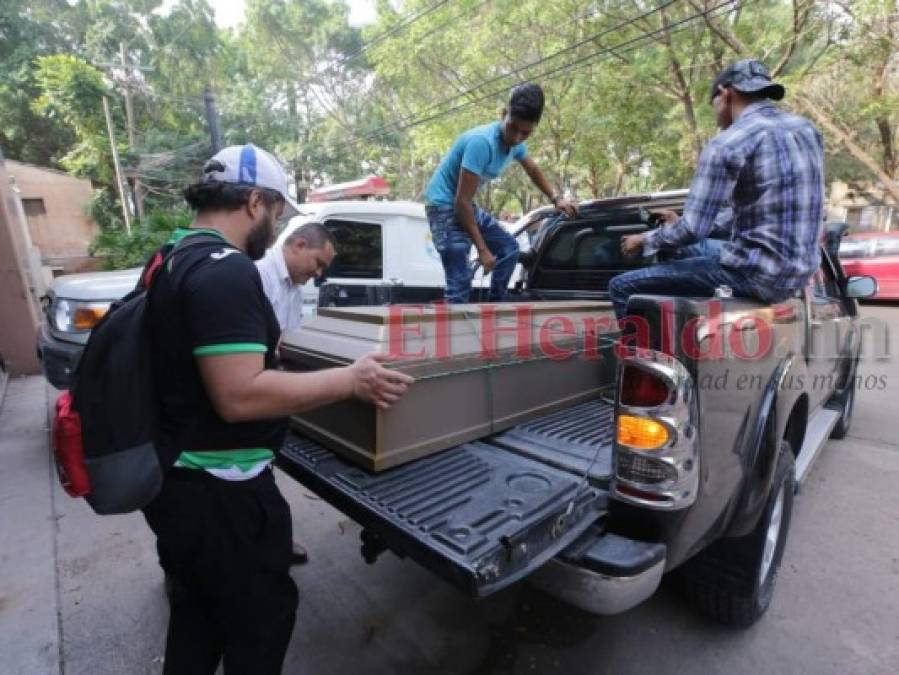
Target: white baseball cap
{"x": 250, "y": 166}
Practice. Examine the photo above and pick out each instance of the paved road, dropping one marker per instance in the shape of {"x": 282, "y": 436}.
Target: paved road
{"x": 81, "y": 594}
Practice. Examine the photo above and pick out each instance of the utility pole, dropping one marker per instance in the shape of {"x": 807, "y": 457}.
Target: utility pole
{"x": 129, "y": 104}
{"x": 212, "y": 120}
{"x": 129, "y": 120}
{"x": 120, "y": 183}
{"x": 127, "y": 68}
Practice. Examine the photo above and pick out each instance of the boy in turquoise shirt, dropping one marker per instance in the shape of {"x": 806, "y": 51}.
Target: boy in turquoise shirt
{"x": 477, "y": 156}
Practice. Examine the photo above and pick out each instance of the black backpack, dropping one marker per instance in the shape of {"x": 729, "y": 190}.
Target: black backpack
{"x": 114, "y": 461}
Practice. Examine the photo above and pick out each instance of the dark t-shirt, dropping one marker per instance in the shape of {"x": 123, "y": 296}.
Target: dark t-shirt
{"x": 209, "y": 301}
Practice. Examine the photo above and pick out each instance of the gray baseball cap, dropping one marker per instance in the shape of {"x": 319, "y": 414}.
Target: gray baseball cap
{"x": 748, "y": 76}
{"x": 250, "y": 166}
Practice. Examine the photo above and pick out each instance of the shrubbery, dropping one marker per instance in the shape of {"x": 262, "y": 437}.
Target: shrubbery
{"x": 122, "y": 250}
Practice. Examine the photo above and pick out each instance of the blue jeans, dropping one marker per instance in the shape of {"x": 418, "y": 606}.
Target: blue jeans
{"x": 706, "y": 248}
{"x": 698, "y": 276}
{"x": 454, "y": 246}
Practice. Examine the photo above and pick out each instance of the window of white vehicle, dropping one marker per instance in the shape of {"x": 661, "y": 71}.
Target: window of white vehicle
{"x": 360, "y": 250}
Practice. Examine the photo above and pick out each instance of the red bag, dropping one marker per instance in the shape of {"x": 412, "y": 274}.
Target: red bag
{"x": 68, "y": 449}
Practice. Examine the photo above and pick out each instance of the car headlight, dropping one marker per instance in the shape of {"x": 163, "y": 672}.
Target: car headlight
{"x": 72, "y": 316}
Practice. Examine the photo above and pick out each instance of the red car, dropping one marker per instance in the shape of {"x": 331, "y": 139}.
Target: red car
{"x": 875, "y": 254}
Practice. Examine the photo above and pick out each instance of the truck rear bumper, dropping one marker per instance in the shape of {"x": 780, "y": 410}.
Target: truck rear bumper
{"x": 608, "y": 576}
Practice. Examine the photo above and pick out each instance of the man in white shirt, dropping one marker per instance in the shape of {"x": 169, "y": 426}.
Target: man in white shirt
{"x": 305, "y": 254}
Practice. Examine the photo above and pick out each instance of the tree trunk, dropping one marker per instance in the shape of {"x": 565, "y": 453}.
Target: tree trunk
{"x": 683, "y": 89}
{"x": 593, "y": 181}
{"x": 884, "y": 127}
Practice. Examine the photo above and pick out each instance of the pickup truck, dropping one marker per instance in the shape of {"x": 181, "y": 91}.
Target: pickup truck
{"x": 688, "y": 462}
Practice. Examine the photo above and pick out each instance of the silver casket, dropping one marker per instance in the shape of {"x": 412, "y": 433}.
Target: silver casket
{"x": 478, "y": 369}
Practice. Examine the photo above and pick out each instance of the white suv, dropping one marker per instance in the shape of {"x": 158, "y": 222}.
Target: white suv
{"x": 384, "y": 255}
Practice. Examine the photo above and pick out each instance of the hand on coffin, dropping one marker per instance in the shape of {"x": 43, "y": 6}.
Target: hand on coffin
{"x": 376, "y": 384}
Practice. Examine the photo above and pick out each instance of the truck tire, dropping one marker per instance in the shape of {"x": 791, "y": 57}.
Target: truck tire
{"x": 733, "y": 580}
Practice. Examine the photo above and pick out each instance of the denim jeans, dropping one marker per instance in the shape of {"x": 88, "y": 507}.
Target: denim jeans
{"x": 454, "y": 246}
{"x": 698, "y": 276}
{"x": 706, "y": 248}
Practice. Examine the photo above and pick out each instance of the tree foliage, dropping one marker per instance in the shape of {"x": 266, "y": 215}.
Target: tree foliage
{"x": 627, "y": 85}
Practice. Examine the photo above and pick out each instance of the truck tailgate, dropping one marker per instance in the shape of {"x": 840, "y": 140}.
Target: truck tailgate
{"x": 477, "y": 515}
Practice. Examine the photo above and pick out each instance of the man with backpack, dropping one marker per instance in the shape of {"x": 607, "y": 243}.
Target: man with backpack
{"x": 223, "y": 529}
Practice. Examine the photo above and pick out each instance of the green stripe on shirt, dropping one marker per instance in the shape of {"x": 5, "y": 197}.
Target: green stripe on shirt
{"x": 179, "y": 233}
{"x": 230, "y": 348}
{"x": 243, "y": 460}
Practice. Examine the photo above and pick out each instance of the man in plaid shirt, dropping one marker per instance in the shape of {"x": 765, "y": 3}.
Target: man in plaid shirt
{"x": 769, "y": 165}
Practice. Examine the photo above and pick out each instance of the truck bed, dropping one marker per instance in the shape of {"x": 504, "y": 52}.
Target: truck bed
{"x": 576, "y": 439}
{"x": 481, "y": 515}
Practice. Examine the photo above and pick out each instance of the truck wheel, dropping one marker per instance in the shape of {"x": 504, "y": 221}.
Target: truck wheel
{"x": 842, "y": 426}
{"x": 733, "y": 580}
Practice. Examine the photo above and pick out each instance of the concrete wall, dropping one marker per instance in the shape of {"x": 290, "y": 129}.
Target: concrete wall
{"x": 62, "y": 232}
{"x": 18, "y": 307}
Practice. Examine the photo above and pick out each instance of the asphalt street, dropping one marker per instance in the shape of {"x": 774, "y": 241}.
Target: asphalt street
{"x": 82, "y": 594}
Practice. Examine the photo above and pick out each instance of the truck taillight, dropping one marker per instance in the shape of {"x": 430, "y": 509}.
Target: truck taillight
{"x": 656, "y": 455}
{"x": 641, "y": 388}
{"x": 641, "y": 433}
{"x": 639, "y": 469}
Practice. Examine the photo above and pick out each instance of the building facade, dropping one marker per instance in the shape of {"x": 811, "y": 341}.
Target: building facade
{"x": 53, "y": 203}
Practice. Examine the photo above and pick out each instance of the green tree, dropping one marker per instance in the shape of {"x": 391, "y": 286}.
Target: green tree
{"x": 29, "y": 30}
{"x": 71, "y": 92}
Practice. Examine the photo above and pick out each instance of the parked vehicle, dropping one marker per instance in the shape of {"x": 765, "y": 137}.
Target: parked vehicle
{"x": 73, "y": 305}
{"x": 687, "y": 463}
{"x": 874, "y": 254}
{"x": 385, "y": 255}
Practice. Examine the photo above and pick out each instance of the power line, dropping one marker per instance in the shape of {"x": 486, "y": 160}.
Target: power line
{"x": 627, "y": 45}
{"x": 332, "y": 69}
{"x": 416, "y": 119}
{"x": 384, "y": 128}
{"x": 404, "y": 23}
{"x": 408, "y": 20}
{"x": 439, "y": 28}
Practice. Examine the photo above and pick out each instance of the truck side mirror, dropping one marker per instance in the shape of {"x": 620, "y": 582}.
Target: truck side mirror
{"x": 861, "y": 287}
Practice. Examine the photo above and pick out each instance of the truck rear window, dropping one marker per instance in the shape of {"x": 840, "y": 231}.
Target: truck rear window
{"x": 591, "y": 247}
